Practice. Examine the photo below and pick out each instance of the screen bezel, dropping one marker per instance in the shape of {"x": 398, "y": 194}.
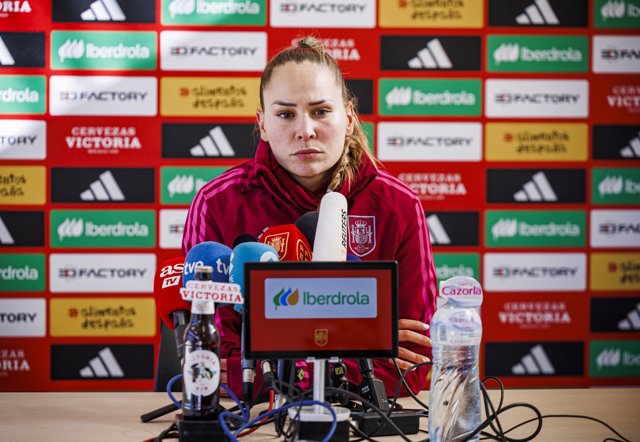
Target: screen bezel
{"x": 280, "y": 270}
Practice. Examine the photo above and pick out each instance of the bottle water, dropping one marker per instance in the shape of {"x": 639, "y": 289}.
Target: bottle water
{"x": 456, "y": 331}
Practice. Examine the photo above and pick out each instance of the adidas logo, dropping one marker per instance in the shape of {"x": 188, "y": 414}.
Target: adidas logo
{"x": 608, "y": 358}
{"x": 5, "y": 236}
{"x": 507, "y": 53}
{"x": 182, "y": 7}
{"x": 398, "y": 96}
{"x": 612, "y": 9}
{"x": 433, "y": 56}
{"x": 538, "y": 189}
{"x": 104, "y": 188}
{"x": 103, "y": 10}
{"x": 611, "y": 185}
{"x": 104, "y": 365}
{"x": 538, "y": 13}
{"x": 215, "y": 144}
{"x": 71, "y": 227}
{"x": 632, "y": 150}
{"x": 436, "y": 231}
{"x": 71, "y": 49}
{"x": 632, "y": 321}
{"x": 505, "y": 228}
{"x": 535, "y": 363}
{"x": 6, "y": 59}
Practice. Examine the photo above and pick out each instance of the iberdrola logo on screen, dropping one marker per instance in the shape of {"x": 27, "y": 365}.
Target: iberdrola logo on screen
{"x": 286, "y": 297}
{"x": 306, "y": 298}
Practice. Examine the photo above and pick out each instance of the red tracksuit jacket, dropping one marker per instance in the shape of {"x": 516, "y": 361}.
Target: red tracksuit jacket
{"x": 260, "y": 193}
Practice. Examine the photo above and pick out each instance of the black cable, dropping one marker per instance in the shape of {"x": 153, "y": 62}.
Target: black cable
{"x": 576, "y": 416}
{"x": 406, "y": 386}
{"x": 381, "y": 413}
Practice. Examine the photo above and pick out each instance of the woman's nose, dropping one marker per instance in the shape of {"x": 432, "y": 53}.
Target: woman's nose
{"x": 305, "y": 128}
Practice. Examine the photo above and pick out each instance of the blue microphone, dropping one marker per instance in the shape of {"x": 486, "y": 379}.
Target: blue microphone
{"x": 241, "y": 254}
{"x": 208, "y": 253}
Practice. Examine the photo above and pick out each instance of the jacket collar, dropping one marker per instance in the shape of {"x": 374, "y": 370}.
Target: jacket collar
{"x": 268, "y": 172}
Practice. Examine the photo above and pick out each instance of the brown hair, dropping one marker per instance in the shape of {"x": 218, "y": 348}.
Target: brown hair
{"x": 356, "y": 145}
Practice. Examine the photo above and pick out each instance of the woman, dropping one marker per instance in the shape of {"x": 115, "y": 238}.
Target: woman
{"x": 312, "y": 142}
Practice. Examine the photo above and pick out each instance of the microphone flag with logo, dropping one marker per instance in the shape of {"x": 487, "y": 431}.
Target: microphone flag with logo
{"x": 288, "y": 241}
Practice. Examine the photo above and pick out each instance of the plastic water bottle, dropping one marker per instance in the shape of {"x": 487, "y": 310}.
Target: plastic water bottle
{"x": 456, "y": 331}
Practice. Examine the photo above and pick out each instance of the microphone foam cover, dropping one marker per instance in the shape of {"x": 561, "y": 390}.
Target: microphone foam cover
{"x": 330, "y": 243}
{"x": 248, "y": 252}
{"x": 208, "y": 253}
{"x": 308, "y": 223}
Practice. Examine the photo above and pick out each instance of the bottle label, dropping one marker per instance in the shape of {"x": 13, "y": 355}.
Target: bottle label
{"x": 457, "y": 327}
{"x": 201, "y": 372}
{"x": 463, "y": 291}
{"x": 202, "y": 307}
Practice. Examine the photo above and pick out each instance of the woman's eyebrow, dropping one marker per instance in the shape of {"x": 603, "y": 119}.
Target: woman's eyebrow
{"x": 311, "y": 103}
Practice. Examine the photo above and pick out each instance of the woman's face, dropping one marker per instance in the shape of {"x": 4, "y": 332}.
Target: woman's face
{"x": 305, "y": 120}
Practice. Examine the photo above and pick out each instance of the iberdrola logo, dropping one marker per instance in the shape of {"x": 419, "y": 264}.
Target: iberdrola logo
{"x": 286, "y": 297}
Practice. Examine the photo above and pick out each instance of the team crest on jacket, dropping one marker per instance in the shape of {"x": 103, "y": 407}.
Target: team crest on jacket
{"x": 362, "y": 234}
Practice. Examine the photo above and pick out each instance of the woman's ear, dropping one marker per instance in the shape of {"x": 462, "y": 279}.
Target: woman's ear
{"x": 350, "y": 119}
{"x": 260, "y": 118}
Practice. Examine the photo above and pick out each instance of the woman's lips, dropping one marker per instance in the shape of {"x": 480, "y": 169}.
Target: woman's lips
{"x": 307, "y": 153}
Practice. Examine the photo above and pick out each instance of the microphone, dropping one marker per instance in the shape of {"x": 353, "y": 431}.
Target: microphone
{"x": 330, "y": 243}
{"x": 172, "y": 309}
{"x": 241, "y": 254}
{"x": 245, "y": 237}
{"x": 308, "y": 223}
{"x": 208, "y": 253}
{"x": 288, "y": 241}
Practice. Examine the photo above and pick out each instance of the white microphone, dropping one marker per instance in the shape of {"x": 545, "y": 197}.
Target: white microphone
{"x": 330, "y": 243}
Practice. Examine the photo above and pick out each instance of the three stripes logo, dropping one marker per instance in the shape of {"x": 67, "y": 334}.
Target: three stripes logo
{"x": 433, "y": 56}
{"x": 6, "y": 59}
{"x": 535, "y": 363}
{"x": 5, "y": 236}
{"x": 105, "y": 188}
{"x": 437, "y": 232}
{"x": 537, "y": 189}
{"x": 103, "y": 10}
{"x": 214, "y": 144}
{"x": 105, "y": 365}
{"x": 538, "y": 13}
{"x": 632, "y": 321}
{"x": 632, "y": 150}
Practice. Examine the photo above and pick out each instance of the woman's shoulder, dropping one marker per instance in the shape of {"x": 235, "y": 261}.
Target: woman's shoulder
{"x": 230, "y": 182}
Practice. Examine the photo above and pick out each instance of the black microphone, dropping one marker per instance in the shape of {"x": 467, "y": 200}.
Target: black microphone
{"x": 307, "y": 224}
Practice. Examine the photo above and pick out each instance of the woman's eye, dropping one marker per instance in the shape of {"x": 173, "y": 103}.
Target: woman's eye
{"x": 321, "y": 111}
{"x": 285, "y": 114}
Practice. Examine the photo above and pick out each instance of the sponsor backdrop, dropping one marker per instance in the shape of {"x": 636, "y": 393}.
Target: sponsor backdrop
{"x": 517, "y": 123}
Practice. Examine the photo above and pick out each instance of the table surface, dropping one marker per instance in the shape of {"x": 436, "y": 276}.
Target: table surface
{"x": 115, "y": 416}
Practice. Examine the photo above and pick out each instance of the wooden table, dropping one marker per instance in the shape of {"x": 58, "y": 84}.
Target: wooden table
{"x": 115, "y": 416}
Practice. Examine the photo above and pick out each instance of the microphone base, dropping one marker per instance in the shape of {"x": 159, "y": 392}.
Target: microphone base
{"x": 312, "y": 424}
{"x": 199, "y": 430}
{"x": 368, "y": 422}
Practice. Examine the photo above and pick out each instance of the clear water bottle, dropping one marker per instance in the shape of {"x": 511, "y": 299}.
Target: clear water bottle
{"x": 456, "y": 331}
